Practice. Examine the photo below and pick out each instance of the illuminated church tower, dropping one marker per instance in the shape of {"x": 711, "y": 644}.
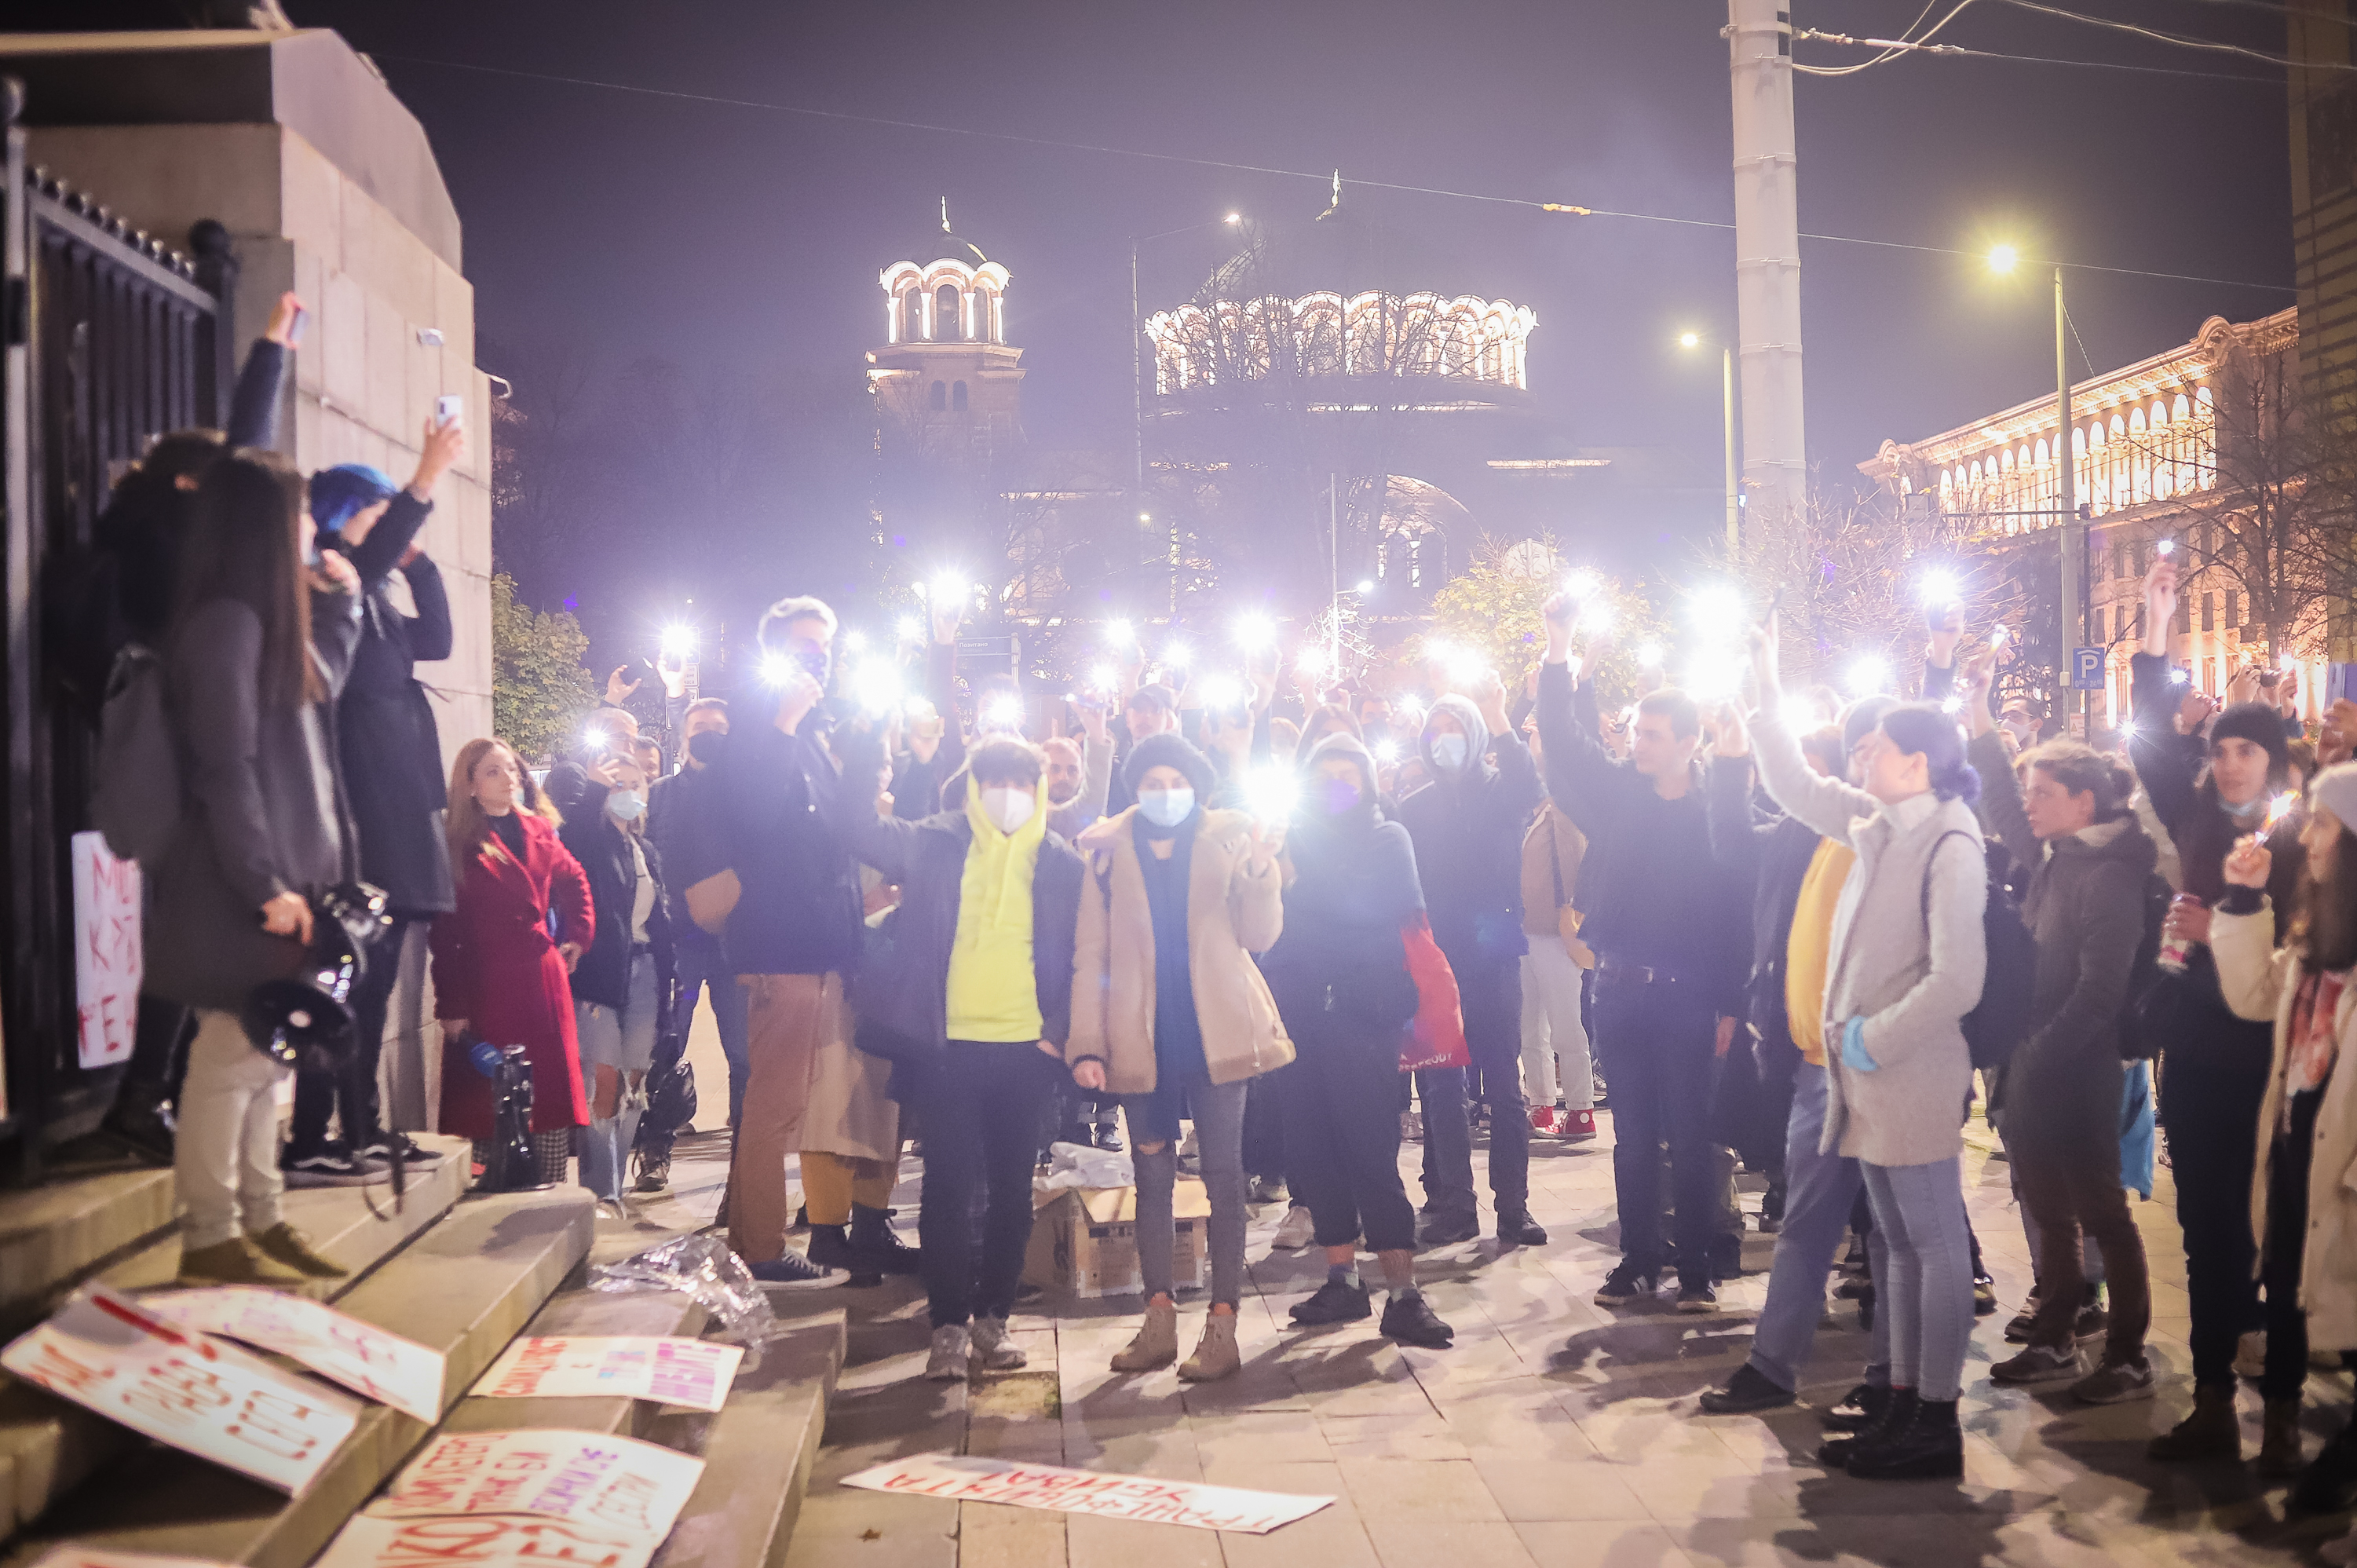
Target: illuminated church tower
{"x": 944, "y": 376}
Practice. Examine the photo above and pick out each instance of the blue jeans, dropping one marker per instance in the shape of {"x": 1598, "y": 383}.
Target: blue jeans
{"x": 701, "y": 964}
{"x": 1926, "y": 1288}
{"x": 1819, "y": 1192}
{"x": 622, "y": 1039}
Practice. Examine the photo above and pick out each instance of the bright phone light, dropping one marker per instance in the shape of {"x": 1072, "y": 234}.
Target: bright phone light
{"x": 777, "y": 669}
{"x": 2178, "y": 678}
{"x": 1387, "y": 751}
{"x": 1003, "y": 711}
{"x": 1409, "y": 712}
{"x": 1939, "y": 590}
{"x": 912, "y": 629}
{"x": 2167, "y": 547}
{"x": 1120, "y": 633}
{"x": 1597, "y": 617}
{"x": 1582, "y": 584}
{"x": 855, "y": 642}
{"x": 1312, "y": 660}
{"x": 1650, "y": 656}
{"x": 1104, "y": 678}
{"x": 1255, "y": 631}
{"x": 876, "y": 686}
{"x": 1998, "y": 637}
{"x": 950, "y": 588}
{"x": 1719, "y": 611}
{"x": 678, "y": 641}
{"x": 1177, "y": 654}
{"x": 2281, "y": 807}
{"x": 1222, "y": 691}
{"x": 1271, "y": 793}
{"x": 1713, "y": 679}
{"x": 1866, "y": 676}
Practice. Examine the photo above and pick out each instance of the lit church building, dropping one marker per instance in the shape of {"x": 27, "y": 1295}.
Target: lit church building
{"x": 2144, "y": 438}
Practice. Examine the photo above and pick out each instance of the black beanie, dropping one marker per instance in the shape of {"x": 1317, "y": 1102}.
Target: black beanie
{"x": 1167, "y": 750}
{"x": 2260, "y": 724}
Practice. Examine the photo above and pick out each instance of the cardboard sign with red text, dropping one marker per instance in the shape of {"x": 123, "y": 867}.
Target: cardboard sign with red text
{"x": 693, "y": 1372}
{"x": 109, "y": 959}
{"x": 622, "y": 1489}
{"x": 1052, "y": 1487}
{"x": 360, "y": 1356}
{"x": 479, "y": 1541}
{"x": 71, "y": 1555}
{"x": 102, "y": 1351}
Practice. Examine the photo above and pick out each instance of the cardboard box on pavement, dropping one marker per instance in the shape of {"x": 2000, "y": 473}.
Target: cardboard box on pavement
{"x": 1084, "y": 1241}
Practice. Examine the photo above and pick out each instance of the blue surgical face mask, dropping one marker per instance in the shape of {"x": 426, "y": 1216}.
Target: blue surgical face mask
{"x": 1167, "y": 807}
{"x": 1449, "y": 752}
{"x": 625, "y": 805}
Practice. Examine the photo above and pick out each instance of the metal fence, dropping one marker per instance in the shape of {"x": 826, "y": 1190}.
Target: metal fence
{"x": 111, "y": 338}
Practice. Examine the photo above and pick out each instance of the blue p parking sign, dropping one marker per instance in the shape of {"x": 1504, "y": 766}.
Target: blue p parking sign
{"x": 2086, "y": 669}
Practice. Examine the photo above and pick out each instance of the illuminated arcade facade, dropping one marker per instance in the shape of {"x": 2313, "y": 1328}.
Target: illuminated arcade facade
{"x": 944, "y": 372}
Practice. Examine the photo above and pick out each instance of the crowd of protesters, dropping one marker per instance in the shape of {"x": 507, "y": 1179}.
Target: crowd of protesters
{"x": 1257, "y": 938}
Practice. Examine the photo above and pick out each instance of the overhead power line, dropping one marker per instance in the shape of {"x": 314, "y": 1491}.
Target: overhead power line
{"x": 1961, "y": 51}
{"x": 1538, "y": 206}
{"x": 2179, "y": 39}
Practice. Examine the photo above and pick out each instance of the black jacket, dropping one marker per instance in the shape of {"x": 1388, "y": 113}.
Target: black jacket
{"x": 1772, "y": 853}
{"x": 1650, "y": 890}
{"x": 391, "y": 748}
{"x": 784, "y": 818}
{"x": 905, "y": 992}
{"x": 1468, "y": 833}
{"x": 684, "y": 824}
{"x": 603, "y": 975}
{"x": 1351, "y": 890}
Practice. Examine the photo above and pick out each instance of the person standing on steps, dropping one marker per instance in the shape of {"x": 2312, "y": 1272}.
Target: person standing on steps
{"x": 1339, "y": 974}
{"x": 2213, "y": 1064}
{"x": 974, "y": 992}
{"x": 2065, "y": 819}
{"x": 1907, "y": 962}
{"x": 683, "y": 826}
{"x": 1667, "y": 924}
{"x": 1467, "y": 828}
{"x": 1171, "y": 1013}
{"x": 793, "y": 934}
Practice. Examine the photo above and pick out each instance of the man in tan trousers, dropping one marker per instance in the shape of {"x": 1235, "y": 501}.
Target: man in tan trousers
{"x": 793, "y": 937}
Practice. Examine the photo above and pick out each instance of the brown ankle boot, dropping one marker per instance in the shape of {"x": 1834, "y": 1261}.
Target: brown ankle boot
{"x": 2212, "y": 1431}
{"x": 1157, "y": 1343}
{"x": 2280, "y": 1456}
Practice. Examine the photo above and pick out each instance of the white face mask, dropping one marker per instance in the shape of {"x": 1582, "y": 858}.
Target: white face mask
{"x": 1165, "y": 808}
{"x": 625, "y": 805}
{"x": 1449, "y": 752}
{"x": 1008, "y": 809}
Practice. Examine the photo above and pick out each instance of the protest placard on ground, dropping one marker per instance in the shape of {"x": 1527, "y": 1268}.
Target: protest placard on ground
{"x": 100, "y": 1350}
{"x": 695, "y": 1372}
{"x": 360, "y": 1356}
{"x": 478, "y": 1540}
{"x": 965, "y": 1479}
{"x": 71, "y": 1556}
{"x": 625, "y": 1490}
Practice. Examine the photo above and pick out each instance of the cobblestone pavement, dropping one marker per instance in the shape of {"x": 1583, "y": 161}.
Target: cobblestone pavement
{"x": 1556, "y": 1435}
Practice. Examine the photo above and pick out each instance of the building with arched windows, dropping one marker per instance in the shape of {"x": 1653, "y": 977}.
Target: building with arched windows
{"x": 944, "y": 377}
{"x": 2143, "y": 446}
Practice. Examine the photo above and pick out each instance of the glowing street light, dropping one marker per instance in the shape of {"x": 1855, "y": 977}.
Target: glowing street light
{"x": 1689, "y": 340}
{"x": 1233, "y": 217}
{"x": 2004, "y": 258}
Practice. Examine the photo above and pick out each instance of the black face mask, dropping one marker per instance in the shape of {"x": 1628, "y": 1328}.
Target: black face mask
{"x": 704, "y": 745}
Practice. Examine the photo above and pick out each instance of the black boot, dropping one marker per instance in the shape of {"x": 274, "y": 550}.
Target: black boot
{"x": 1929, "y": 1447}
{"x": 1895, "y": 1413}
{"x": 877, "y": 1246}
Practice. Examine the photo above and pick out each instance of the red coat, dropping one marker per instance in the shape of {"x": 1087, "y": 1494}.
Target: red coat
{"x": 496, "y": 966}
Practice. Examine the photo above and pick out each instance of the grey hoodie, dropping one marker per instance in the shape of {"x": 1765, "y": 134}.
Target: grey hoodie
{"x": 1477, "y": 739}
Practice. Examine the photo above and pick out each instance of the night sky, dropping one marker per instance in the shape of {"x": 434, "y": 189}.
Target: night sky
{"x": 631, "y": 225}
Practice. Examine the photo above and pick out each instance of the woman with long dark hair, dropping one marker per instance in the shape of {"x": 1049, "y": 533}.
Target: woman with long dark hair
{"x": 498, "y": 976}
{"x": 2303, "y": 1191}
{"x": 1908, "y": 959}
{"x": 257, "y": 648}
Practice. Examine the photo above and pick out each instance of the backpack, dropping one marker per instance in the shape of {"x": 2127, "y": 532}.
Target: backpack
{"x": 2000, "y": 1019}
{"x": 136, "y": 803}
{"x": 2138, "y": 1040}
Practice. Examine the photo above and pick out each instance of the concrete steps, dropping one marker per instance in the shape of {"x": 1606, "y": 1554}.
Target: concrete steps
{"x": 466, "y": 1287}
{"x": 103, "y": 1230}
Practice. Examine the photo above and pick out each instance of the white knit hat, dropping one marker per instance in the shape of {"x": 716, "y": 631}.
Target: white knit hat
{"x": 2335, "y": 790}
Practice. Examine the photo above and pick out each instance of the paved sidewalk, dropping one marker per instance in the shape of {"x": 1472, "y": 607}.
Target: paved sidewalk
{"x": 1556, "y": 1435}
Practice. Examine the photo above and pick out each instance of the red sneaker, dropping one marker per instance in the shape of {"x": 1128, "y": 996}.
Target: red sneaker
{"x": 1543, "y": 1119}
{"x": 1578, "y": 1126}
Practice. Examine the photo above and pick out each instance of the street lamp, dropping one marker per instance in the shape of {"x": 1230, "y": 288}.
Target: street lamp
{"x": 2004, "y": 259}
{"x": 1726, "y": 398}
{"x": 1138, "y": 376}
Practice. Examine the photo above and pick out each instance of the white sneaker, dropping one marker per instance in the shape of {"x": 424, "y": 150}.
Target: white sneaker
{"x": 992, "y": 1348}
{"x": 948, "y": 1363}
{"x": 1296, "y": 1229}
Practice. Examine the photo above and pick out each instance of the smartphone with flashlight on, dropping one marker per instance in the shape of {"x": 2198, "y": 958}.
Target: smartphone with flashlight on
{"x": 296, "y": 328}
{"x": 449, "y": 411}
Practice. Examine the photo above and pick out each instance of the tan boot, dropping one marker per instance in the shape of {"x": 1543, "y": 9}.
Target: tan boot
{"x": 236, "y": 1261}
{"x": 2212, "y": 1431}
{"x": 282, "y": 1243}
{"x": 1157, "y": 1343}
{"x": 1215, "y": 1354}
{"x": 2280, "y": 1456}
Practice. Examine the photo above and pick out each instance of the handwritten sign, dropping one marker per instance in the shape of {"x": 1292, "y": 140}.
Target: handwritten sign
{"x": 71, "y": 1555}
{"x": 109, "y": 959}
{"x": 102, "y": 1351}
{"x": 693, "y": 1373}
{"x": 627, "y": 1489}
{"x": 360, "y": 1356}
{"x": 477, "y": 1541}
{"x": 1058, "y": 1490}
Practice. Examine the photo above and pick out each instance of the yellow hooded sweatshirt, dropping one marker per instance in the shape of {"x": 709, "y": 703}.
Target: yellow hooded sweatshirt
{"x": 993, "y": 993}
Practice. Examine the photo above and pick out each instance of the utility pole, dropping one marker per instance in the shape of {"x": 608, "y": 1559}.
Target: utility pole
{"x": 1733, "y": 492}
{"x": 1767, "y": 256}
{"x": 2073, "y": 537}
